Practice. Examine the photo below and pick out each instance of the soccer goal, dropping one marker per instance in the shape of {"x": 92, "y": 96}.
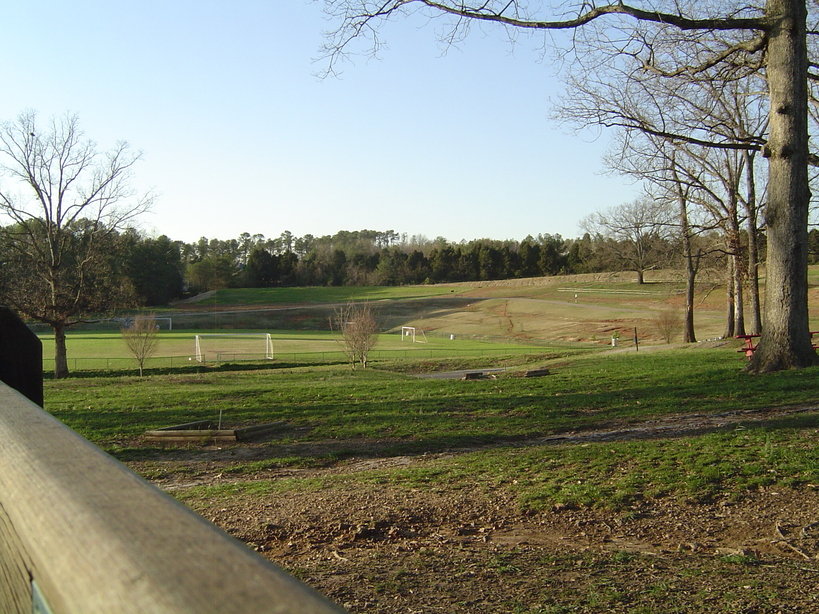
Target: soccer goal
{"x": 415, "y": 335}
{"x": 231, "y": 347}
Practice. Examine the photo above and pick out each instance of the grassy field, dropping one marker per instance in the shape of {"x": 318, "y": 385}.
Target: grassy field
{"x": 106, "y": 351}
{"x": 661, "y": 480}
{"x": 566, "y": 308}
{"x": 330, "y": 411}
{"x": 405, "y": 414}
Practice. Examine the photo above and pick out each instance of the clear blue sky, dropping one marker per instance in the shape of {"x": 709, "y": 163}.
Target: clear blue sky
{"x": 239, "y": 134}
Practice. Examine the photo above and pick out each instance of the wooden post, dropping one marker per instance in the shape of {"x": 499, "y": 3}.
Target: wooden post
{"x": 21, "y": 357}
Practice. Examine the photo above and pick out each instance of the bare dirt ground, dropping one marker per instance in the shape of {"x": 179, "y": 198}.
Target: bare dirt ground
{"x": 379, "y": 548}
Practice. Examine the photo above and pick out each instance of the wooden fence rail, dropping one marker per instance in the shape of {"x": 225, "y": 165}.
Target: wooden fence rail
{"x": 81, "y": 534}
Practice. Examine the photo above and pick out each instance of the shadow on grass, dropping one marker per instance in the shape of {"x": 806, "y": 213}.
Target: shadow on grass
{"x": 326, "y": 452}
{"x": 196, "y": 369}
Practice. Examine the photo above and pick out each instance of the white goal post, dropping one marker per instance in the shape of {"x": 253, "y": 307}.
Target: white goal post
{"x": 416, "y": 335}
{"x": 246, "y": 344}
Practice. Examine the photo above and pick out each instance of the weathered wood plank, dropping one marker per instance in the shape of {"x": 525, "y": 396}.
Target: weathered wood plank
{"x": 193, "y": 433}
{"x": 208, "y": 433}
{"x": 537, "y": 372}
{"x": 200, "y": 439}
{"x": 15, "y": 586}
{"x": 199, "y": 425}
{"x": 97, "y": 538}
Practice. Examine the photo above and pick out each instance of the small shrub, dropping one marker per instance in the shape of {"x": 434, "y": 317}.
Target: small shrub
{"x": 668, "y": 324}
{"x": 141, "y": 338}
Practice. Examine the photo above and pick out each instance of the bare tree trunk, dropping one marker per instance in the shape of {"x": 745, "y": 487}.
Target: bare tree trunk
{"x": 736, "y": 269}
{"x": 688, "y": 325}
{"x": 690, "y": 269}
{"x": 785, "y": 341}
{"x": 730, "y": 306}
{"x": 752, "y": 272}
{"x": 60, "y": 353}
{"x": 753, "y": 281}
{"x": 734, "y": 245}
{"x": 739, "y": 298}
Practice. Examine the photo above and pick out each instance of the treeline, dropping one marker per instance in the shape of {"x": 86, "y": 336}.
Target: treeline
{"x": 161, "y": 269}
{"x": 369, "y": 257}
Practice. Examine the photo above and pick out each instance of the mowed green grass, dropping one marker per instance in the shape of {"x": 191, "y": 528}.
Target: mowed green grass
{"x": 334, "y": 410}
{"x": 336, "y": 402}
{"x": 108, "y": 351}
{"x": 729, "y": 464}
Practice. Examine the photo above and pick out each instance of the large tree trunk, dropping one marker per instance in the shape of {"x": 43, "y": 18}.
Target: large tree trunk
{"x": 785, "y": 341}
{"x": 60, "y": 353}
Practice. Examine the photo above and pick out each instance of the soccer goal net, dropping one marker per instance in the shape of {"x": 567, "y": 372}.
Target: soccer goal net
{"x": 413, "y": 334}
{"x": 231, "y": 347}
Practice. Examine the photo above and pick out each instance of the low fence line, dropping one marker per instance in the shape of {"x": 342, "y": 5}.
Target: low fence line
{"x": 82, "y": 534}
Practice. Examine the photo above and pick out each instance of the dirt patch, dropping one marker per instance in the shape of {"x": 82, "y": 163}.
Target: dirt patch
{"x": 376, "y": 549}
{"x": 383, "y": 548}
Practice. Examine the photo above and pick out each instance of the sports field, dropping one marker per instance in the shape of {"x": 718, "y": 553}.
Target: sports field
{"x": 571, "y": 313}
{"x": 91, "y": 351}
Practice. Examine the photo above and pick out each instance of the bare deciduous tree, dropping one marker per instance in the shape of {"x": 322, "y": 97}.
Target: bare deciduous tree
{"x": 767, "y": 38}
{"x": 635, "y": 233}
{"x": 705, "y": 163}
{"x": 668, "y": 324}
{"x": 57, "y": 266}
{"x": 358, "y": 327}
{"x": 141, "y": 338}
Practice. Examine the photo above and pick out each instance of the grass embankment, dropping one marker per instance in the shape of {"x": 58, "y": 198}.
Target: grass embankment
{"x": 333, "y": 413}
{"x": 318, "y": 294}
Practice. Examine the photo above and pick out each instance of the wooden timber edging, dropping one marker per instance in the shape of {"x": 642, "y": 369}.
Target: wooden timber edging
{"x": 206, "y": 431}
{"x": 94, "y": 537}
{"x": 537, "y": 372}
